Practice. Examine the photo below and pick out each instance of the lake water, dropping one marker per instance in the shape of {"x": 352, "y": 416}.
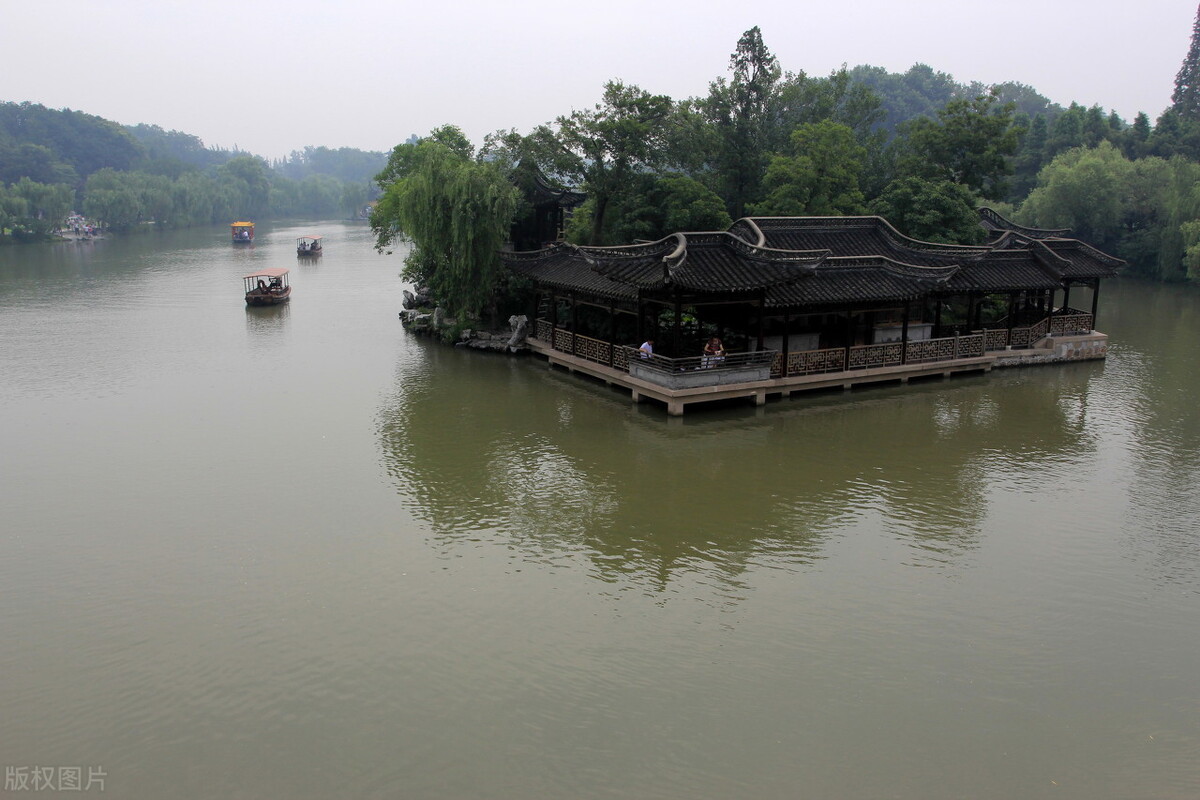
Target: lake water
{"x": 298, "y": 552}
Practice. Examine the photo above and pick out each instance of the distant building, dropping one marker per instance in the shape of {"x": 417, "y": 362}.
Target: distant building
{"x": 547, "y": 209}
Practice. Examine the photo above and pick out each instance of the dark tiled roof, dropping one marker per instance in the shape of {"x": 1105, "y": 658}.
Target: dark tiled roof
{"x": 1081, "y": 260}
{"x": 702, "y": 262}
{"x": 999, "y": 225}
{"x": 539, "y": 191}
{"x": 561, "y": 266}
{"x": 856, "y": 280}
{"x": 811, "y": 261}
{"x": 1006, "y": 271}
{"x": 852, "y": 236}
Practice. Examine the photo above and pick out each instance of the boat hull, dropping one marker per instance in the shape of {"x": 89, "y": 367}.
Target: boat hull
{"x": 257, "y": 298}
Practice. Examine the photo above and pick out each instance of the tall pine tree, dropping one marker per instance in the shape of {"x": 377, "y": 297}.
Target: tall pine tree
{"x": 1186, "y": 99}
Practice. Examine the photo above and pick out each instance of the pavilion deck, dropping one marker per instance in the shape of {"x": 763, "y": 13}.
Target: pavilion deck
{"x": 677, "y": 398}
{"x": 678, "y": 383}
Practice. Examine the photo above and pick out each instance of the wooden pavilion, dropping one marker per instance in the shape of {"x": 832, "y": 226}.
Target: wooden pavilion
{"x": 807, "y": 302}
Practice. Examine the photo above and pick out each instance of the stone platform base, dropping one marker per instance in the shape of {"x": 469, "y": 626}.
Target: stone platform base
{"x": 1055, "y": 350}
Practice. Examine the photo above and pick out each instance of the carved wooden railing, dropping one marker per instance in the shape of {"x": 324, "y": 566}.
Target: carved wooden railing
{"x": 813, "y": 362}
{"x": 1069, "y": 324}
{"x": 833, "y": 359}
{"x": 804, "y": 362}
{"x": 621, "y": 356}
{"x": 692, "y": 363}
{"x": 564, "y": 341}
{"x": 866, "y": 356}
{"x": 589, "y": 349}
{"x": 1064, "y": 322}
{"x": 995, "y": 338}
{"x": 945, "y": 349}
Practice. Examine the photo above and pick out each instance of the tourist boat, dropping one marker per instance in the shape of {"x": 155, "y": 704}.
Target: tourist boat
{"x": 267, "y": 287}
{"x": 308, "y": 246}
{"x": 243, "y": 232}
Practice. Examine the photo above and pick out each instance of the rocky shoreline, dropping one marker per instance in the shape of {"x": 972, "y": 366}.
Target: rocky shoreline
{"x": 421, "y": 315}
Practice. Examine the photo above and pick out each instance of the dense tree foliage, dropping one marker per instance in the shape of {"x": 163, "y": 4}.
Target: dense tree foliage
{"x": 930, "y": 210}
{"x": 81, "y": 142}
{"x": 346, "y": 164}
{"x": 124, "y": 176}
{"x": 655, "y": 206}
{"x": 817, "y": 177}
{"x": 456, "y": 211}
{"x": 603, "y": 148}
{"x": 1185, "y": 100}
{"x": 970, "y": 143}
{"x": 918, "y": 147}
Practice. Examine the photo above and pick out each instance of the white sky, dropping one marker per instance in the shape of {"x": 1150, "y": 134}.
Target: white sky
{"x": 271, "y": 77}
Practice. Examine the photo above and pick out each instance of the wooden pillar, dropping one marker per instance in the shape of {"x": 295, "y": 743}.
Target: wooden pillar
{"x": 1012, "y": 314}
{"x": 612, "y": 332}
{"x": 1066, "y": 296}
{"x": 849, "y": 334}
{"x": 787, "y": 332}
{"x": 904, "y": 336}
{"x": 553, "y": 312}
{"x": 1095, "y": 301}
{"x": 678, "y": 337}
{"x": 937, "y": 316}
{"x": 574, "y": 318}
{"x": 762, "y": 306}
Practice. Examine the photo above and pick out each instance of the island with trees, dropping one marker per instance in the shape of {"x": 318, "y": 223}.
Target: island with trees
{"x": 917, "y": 149}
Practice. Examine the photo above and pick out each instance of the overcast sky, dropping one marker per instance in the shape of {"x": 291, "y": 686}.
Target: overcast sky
{"x": 271, "y": 77}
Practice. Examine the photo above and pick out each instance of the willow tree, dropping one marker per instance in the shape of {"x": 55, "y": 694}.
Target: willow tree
{"x": 457, "y": 213}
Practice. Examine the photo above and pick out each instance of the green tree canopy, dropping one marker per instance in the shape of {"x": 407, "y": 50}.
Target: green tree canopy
{"x": 1185, "y": 100}
{"x": 819, "y": 178}
{"x": 456, "y": 212}
{"x": 970, "y": 144}
{"x": 933, "y": 211}
{"x": 654, "y": 207}
{"x": 45, "y": 205}
{"x": 603, "y": 148}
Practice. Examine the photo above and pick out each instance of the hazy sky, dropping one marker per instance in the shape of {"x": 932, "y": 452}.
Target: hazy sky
{"x": 272, "y": 77}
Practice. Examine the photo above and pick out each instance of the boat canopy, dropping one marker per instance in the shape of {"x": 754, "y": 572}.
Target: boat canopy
{"x": 242, "y": 225}
{"x": 269, "y": 272}
{"x": 309, "y": 238}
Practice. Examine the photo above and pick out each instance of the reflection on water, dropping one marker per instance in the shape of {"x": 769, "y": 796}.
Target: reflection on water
{"x": 1150, "y": 398}
{"x": 296, "y": 552}
{"x": 267, "y": 321}
{"x": 542, "y": 462}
